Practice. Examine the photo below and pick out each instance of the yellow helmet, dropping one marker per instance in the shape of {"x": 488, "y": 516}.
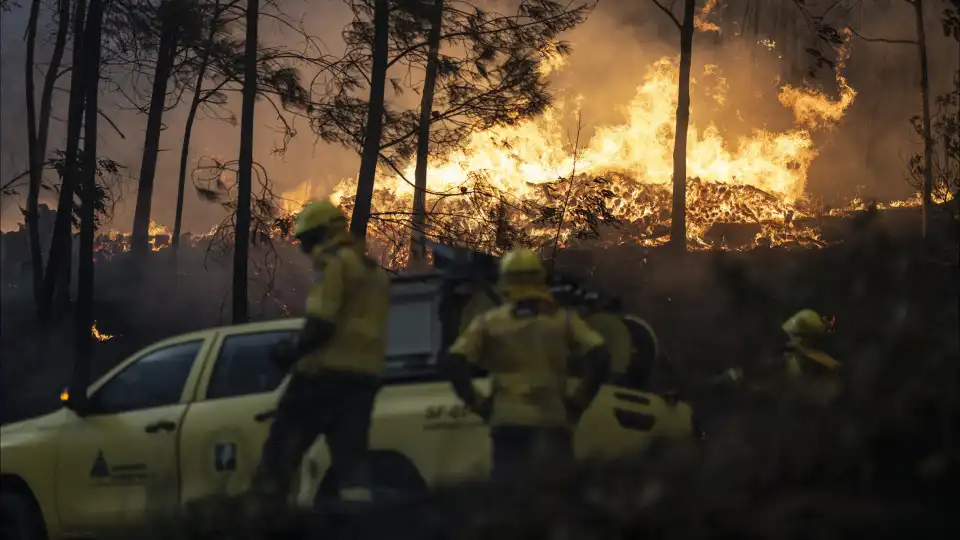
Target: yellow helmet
{"x": 807, "y": 322}
{"x": 319, "y": 215}
{"x": 523, "y": 264}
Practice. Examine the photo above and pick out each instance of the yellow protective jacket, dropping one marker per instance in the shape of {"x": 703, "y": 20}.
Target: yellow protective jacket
{"x": 526, "y": 355}
{"x": 814, "y": 370}
{"x": 811, "y": 371}
{"x": 351, "y": 291}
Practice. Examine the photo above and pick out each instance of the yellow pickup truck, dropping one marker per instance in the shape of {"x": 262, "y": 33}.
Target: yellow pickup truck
{"x": 184, "y": 419}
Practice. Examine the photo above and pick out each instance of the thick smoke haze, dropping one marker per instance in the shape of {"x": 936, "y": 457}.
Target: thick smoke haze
{"x": 864, "y": 154}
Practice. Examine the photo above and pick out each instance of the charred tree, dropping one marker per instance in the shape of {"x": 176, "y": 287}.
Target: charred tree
{"x": 88, "y": 195}
{"x": 169, "y": 27}
{"x": 423, "y": 135}
{"x": 678, "y": 220}
{"x": 927, "y": 187}
{"x": 36, "y": 172}
{"x": 38, "y": 137}
{"x": 371, "y": 142}
{"x": 923, "y": 124}
{"x": 245, "y": 167}
{"x": 58, "y": 259}
{"x": 204, "y": 58}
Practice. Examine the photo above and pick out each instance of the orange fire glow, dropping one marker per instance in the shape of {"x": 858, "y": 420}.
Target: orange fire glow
{"x": 757, "y": 179}
{"x": 99, "y": 336}
{"x": 500, "y": 175}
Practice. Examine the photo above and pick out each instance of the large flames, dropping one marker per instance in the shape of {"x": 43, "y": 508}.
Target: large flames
{"x": 514, "y": 181}
{"x": 757, "y": 179}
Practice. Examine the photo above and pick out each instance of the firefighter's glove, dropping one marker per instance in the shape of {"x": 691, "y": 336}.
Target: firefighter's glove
{"x": 284, "y": 355}
{"x": 482, "y": 407}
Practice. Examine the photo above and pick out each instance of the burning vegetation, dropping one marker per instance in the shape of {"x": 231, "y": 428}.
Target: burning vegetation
{"x": 528, "y": 184}
{"x": 98, "y": 335}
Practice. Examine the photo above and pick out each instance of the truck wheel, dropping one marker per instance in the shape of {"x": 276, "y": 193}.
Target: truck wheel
{"x": 19, "y": 518}
{"x": 394, "y": 476}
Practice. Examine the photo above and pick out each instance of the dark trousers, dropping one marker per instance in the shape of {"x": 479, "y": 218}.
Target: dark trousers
{"x": 516, "y": 448}
{"x": 337, "y": 405}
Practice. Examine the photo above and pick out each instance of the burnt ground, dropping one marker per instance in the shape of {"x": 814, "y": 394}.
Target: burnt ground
{"x": 883, "y": 462}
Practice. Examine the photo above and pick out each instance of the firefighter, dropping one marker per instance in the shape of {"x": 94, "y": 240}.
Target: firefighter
{"x": 807, "y": 360}
{"x": 805, "y": 364}
{"x": 337, "y": 360}
{"x": 525, "y": 344}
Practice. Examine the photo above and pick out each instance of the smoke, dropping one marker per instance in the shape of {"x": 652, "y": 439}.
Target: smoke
{"x": 863, "y": 155}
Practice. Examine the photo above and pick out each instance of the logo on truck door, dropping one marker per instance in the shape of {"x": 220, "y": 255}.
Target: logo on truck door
{"x": 100, "y": 468}
{"x": 123, "y": 473}
{"x": 225, "y": 457}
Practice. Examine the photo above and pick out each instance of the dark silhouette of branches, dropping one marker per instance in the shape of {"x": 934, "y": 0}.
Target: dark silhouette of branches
{"x": 215, "y": 183}
{"x": 489, "y": 72}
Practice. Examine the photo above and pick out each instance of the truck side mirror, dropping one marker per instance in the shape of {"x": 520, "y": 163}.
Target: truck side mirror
{"x": 74, "y": 402}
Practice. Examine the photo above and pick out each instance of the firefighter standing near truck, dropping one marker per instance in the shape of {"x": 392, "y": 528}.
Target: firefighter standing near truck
{"x": 337, "y": 360}
{"x": 525, "y": 344}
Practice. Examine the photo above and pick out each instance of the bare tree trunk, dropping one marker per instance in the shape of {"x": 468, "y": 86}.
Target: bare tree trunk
{"x": 188, "y": 131}
{"x": 84, "y": 310}
{"x": 678, "y": 222}
{"x": 46, "y": 106}
{"x": 417, "y": 249}
{"x": 371, "y": 144}
{"x": 60, "y": 243}
{"x": 36, "y": 161}
{"x": 151, "y": 144}
{"x": 927, "y": 190}
{"x": 245, "y": 167}
{"x": 61, "y": 297}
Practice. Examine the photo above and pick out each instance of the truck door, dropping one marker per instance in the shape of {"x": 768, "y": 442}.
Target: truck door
{"x": 227, "y": 425}
{"x": 118, "y": 464}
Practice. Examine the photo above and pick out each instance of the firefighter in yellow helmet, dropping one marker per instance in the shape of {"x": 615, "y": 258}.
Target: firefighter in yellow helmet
{"x": 804, "y": 362}
{"x": 337, "y": 360}
{"x": 806, "y": 356}
{"x": 525, "y": 344}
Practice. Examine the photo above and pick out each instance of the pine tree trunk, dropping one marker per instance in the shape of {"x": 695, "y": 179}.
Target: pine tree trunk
{"x": 151, "y": 145}
{"x": 678, "y": 222}
{"x": 927, "y": 190}
{"x": 36, "y": 160}
{"x": 61, "y": 244}
{"x": 245, "y": 167}
{"x": 188, "y": 131}
{"x": 371, "y": 144}
{"x": 417, "y": 248}
{"x": 84, "y": 310}
{"x": 43, "y": 131}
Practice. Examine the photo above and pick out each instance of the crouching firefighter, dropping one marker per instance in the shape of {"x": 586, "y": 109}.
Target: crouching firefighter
{"x": 803, "y": 364}
{"x": 337, "y": 361}
{"x": 809, "y": 364}
{"x": 525, "y": 345}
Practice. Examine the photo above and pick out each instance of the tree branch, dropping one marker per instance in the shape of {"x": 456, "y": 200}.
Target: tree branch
{"x": 883, "y": 40}
{"x": 111, "y": 122}
{"x": 669, "y": 13}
